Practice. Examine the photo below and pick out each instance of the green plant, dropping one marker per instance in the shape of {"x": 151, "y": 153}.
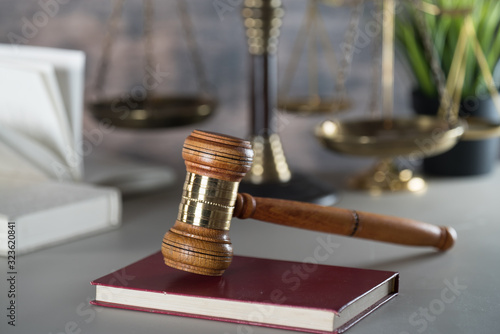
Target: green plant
{"x": 444, "y": 31}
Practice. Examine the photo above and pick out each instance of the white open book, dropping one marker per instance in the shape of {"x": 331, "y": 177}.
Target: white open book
{"x": 41, "y": 160}
{"x": 42, "y": 99}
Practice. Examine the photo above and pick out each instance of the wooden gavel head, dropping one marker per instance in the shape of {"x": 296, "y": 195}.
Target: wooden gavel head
{"x": 199, "y": 240}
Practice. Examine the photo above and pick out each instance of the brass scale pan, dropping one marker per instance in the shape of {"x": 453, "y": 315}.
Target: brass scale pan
{"x": 390, "y": 137}
{"x": 154, "y": 112}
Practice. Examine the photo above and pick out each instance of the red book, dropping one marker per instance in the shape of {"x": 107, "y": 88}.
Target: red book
{"x": 283, "y": 294}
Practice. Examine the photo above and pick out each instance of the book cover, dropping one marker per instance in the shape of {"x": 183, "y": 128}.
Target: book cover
{"x": 283, "y": 294}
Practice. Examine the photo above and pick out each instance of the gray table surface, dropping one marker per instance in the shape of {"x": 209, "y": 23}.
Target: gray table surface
{"x": 453, "y": 292}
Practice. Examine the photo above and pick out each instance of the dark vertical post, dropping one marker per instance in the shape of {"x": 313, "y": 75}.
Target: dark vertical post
{"x": 262, "y": 19}
{"x": 270, "y": 175}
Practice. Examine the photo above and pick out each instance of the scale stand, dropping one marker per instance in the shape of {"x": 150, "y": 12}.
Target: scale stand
{"x": 270, "y": 175}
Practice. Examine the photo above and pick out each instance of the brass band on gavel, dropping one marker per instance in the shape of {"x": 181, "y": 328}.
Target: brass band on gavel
{"x": 207, "y": 202}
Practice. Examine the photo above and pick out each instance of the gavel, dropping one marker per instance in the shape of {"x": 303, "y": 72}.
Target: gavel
{"x": 199, "y": 240}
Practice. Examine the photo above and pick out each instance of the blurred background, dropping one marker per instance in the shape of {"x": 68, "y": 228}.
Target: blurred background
{"x": 220, "y": 36}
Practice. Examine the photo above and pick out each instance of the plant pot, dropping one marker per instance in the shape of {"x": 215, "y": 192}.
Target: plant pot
{"x": 468, "y": 157}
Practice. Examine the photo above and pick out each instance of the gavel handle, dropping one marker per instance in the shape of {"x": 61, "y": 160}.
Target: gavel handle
{"x": 344, "y": 222}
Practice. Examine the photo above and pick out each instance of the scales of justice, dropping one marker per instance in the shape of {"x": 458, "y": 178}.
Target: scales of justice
{"x": 387, "y": 137}
{"x": 383, "y": 136}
